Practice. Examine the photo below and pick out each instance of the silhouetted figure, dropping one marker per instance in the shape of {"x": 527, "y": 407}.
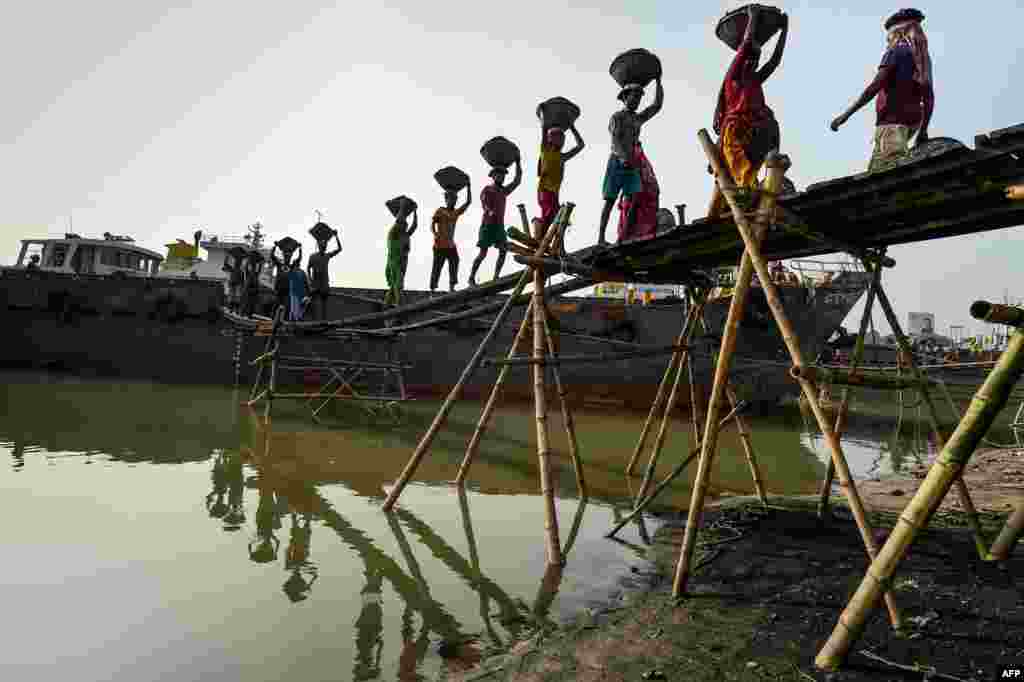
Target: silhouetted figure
{"x": 296, "y": 292}
{"x": 443, "y": 227}
{"x": 263, "y": 549}
{"x": 282, "y": 266}
{"x": 398, "y": 252}
{"x": 254, "y": 265}
{"x": 319, "y": 278}
{"x": 297, "y": 587}
{"x": 369, "y": 626}
{"x": 33, "y": 263}
{"x": 236, "y": 278}
{"x": 492, "y": 226}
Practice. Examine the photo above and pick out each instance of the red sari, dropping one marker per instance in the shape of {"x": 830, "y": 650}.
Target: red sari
{"x": 645, "y": 224}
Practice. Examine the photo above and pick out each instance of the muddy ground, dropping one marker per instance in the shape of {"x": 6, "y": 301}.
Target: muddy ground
{"x": 769, "y": 590}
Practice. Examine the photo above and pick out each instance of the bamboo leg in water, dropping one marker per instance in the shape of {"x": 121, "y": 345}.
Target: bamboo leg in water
{"x": 1011, "y": 532}
{"x": 492, "y": 400}
{"x": 272, "y": 384}
{"x": 442, "y": 415}
{"x": 986, "y": 405}
{"x": 858, "y": 354}
{"x": 570, "y": 425}
{"x": 755, "y": 259}
{"x": 620, "y": 522}
{"x": 540, "y": 401}
{"x": 748, "y": 447}
{"x": 933, "y": 416}
{"x": 659, "y": 399}
{"x": 670, "y": 406}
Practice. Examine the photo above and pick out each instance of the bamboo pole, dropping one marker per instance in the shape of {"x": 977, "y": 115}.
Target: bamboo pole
{"x": 583, "y": 359}
{"x": 658, "y": 489}
{"x": 567, "y": 419}
{"x": 670, "y": 406}
{"x": 554, "y": 546}
{"x": 851, "y": 377}
{"x": 492, "y": 400}
{"x": 748, "y": 448}
{"x": 997, "y": 313}
{"x": 858, "y": 354}
{"x": 933, "y": 416}
{"x": 956, "y": 453}
{"x": 272, "y": 383}
{"x": 1008, "y": 537}
{"x": 754, "y": 259}
{"x": 695, "y": 416}
{"x": 659, "y": 398}
{"x": 740, "y": 292}
{"x": 421, "y": 449}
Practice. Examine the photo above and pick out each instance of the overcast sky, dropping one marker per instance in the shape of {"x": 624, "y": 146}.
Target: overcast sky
{"x": 153, "y": 122}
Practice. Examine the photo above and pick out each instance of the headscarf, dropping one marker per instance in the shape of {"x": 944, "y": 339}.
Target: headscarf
{"x": 912, "y": 34}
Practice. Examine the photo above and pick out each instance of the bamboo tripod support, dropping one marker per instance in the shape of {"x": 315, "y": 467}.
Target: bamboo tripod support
{"x": 956, "y": 453}
{"x": 428, "y": 438}
{"x": 753, "y": 260}
{"x": 858, "y": 354}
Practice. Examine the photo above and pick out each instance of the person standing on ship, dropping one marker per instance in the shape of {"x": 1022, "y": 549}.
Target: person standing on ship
{"x": 252, "y": 284}
{"x": 398, "y": 253}
{"x": 236, "y": 278}
{"x": 296, "y": 291}
{"x": 443, "y": 227}
{"x": 622, "y": 174}
{"x": 492, "y": 226}
{"x": 551, "y": 168}
{"x": 903, "y": 85}
{"x": 318, "y": 273}
{"x": 746, "y": 127}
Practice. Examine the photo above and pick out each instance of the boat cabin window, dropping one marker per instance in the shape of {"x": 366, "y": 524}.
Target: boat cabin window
{"x": 58, "y": 254}
{"x": 32, "y": 249}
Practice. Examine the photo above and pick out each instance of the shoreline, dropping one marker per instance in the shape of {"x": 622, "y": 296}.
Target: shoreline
{"x": 763, "y": 602}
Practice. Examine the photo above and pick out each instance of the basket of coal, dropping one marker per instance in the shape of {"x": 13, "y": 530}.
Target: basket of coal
{"x": 395, "y": 205}
{"x": 321, "y": 232}
{"x": 557, "y": 112}
{"x": 287, "y": 245}
{"x": 499, "y": 152}
{"x": 451, "y": 179}
{"x": 733, "y": 26}
{"x": 636, "y": 67}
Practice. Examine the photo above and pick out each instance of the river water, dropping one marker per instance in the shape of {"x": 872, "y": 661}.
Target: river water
{"x": 165, "y": 532}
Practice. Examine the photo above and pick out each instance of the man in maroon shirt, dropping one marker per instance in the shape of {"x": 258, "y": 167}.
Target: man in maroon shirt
{"x": 492, "y": 227}
{"x": 903, "y": 85}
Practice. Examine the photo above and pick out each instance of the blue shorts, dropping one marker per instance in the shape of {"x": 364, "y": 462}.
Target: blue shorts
{"x": 618, "y": 178}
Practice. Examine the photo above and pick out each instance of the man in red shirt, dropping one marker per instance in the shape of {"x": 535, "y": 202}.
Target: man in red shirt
{"x": 492, "y": 227}
{"x": 903, "y": 85}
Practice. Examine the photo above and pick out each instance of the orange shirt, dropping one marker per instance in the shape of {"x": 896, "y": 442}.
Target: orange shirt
{"x": 444, "y": 220}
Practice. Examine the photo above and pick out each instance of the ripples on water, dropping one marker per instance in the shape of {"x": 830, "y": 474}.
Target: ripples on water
{"x": 158, "y": 532}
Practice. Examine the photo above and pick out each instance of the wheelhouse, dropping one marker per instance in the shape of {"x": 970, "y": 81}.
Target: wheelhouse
{"x": 75, "y": 255}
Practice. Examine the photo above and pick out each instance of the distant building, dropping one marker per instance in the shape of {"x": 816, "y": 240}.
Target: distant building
{"x": 919, "y": 324}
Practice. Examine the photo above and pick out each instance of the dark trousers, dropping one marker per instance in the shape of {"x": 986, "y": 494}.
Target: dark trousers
{"x": 318, "y": 299}
{"x": 441, "y": 256}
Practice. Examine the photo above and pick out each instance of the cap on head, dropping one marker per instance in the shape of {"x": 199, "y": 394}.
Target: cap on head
{"x": 904, "y": 15}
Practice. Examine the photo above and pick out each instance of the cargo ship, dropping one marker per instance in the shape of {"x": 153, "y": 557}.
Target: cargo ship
{"x": 109, "y": 308}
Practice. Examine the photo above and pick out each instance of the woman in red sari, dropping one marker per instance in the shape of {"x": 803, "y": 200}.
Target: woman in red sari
{"x": 746, "y": 127}
{"x": 645, "y": 219}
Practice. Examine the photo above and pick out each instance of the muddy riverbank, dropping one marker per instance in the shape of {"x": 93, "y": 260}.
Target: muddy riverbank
{"x": 764, "y": 601}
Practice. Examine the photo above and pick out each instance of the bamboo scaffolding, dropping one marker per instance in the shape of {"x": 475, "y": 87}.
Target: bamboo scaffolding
{"x": 853, "y": 377}
{"x": 748, "y": 447}
{"x": 858, "y": 354}
{"x": 695, "y": 416}
{"x": 753, "y": 260}
{"x": 428, "y": 438}
{"x": 673, "y": 364}
{"x": 933, "y": 416}
{"x": 670, "y": 405}
{"x": 997, "y": 313}
{"x": 658, "y": 489}
{"x": 554, "y": 546}
{"x": 567, "y": 418}
{"x": 1009, "y": 535}
{"x": 492, "y": 401}
{"x": 572, "y": 268}
{"x": 956, "y": 453}
{"x": 584, "y": 359}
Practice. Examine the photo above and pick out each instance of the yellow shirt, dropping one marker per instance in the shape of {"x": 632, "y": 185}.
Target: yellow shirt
{"x": 550, "y": 169}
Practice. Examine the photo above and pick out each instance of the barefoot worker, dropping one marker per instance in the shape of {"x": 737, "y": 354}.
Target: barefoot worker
{"x": 398, "y": 251}
{"x": 903, "y": 86}
{"x": 319, "y": 262}
{"x": 622, "y": 175}
{"x": 551, "y": 168}
{"x": 443, "y": 227}
{"x": 492, "y": 226}
{"x": 746, "y": 127}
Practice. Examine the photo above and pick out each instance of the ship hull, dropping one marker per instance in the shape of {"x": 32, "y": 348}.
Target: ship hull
{"x": 113, "y": 332}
